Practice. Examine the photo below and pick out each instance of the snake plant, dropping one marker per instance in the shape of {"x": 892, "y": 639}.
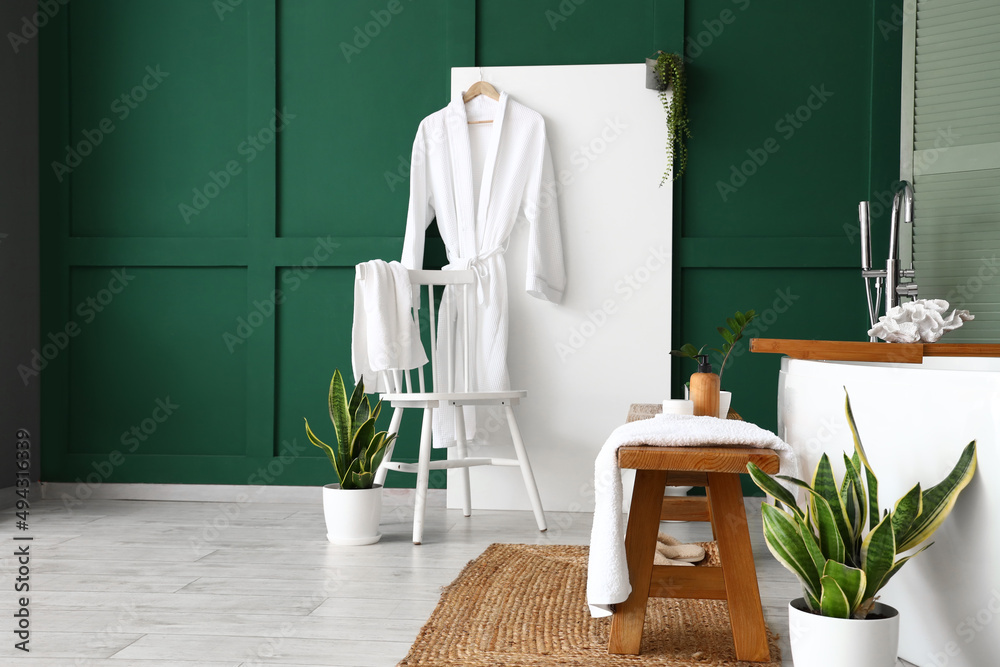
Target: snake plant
{"x": 359, "y": 448}
{"x": 841, "y": 565}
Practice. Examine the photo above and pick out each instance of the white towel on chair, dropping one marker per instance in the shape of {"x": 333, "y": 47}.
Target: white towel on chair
{"x": 385, "y": 336}
{"x": 607, "y": 571}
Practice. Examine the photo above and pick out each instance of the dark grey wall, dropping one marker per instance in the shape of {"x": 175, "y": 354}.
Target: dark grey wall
{"x": 19, "y": 300}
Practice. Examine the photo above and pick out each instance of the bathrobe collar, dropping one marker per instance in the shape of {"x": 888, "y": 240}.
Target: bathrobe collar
{"x": 461, "y": 158}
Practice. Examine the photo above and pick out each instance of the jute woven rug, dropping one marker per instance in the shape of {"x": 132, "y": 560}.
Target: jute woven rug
{"x": 520, "y": 605}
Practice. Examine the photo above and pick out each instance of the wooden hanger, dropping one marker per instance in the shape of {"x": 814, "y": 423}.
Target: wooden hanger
{"x": 475, "y": 90}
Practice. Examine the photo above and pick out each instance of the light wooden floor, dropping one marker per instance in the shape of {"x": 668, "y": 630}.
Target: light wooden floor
{"x": 119, "y": 583}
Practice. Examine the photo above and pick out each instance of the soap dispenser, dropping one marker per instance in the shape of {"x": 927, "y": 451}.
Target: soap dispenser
{"x": 705, "y": 389}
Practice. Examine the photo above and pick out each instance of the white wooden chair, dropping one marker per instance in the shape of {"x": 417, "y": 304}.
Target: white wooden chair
{"x": 404, "y": 394}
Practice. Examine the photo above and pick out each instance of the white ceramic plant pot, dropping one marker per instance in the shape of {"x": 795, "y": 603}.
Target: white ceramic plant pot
{"x": 352, "y": 515}
{"x": 725, "y": 400}
{"x": 820, "y": 641}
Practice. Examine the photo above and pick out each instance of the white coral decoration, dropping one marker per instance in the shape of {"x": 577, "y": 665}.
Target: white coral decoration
{"x": 920, "y": 321}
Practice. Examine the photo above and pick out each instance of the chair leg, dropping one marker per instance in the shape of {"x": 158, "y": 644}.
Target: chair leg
{"x": 729, "y": 520}
{"x": 529, "y": 477}
{"x": 640, "y": 547}
{"x": 397, "y": 418}
{"x": 423, "y": 476}
{"x": 466, "y": 489}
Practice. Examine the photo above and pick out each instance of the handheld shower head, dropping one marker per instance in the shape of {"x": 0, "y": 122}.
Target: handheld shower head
{"x": 907, "y": 196}
{"x": 864, "y": 219}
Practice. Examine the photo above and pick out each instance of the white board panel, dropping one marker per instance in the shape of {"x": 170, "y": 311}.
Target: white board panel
{"x": 607, "y": 345}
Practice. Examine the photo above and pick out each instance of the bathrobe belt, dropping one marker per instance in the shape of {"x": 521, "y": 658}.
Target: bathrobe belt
{"x": 480, "y": 267}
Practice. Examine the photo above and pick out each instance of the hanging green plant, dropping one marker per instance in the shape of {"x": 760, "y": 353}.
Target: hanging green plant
{"x": 669, "y": 69}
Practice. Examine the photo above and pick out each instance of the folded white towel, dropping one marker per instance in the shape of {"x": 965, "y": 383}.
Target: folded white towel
{"x": 385, "y": 336}
{"x": 607, "y": 571}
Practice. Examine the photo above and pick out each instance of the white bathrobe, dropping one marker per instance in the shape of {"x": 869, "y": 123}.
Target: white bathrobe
{"x": 478, "y": 180}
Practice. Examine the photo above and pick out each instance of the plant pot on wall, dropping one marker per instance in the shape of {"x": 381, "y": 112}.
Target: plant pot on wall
{"x": 822, "y": 641}
{"x": 653, "y": 79}
{"x": 352, "y": 515}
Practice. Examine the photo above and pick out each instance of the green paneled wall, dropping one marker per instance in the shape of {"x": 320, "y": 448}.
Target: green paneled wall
{"x": 172, "y": 82}
{"x": 779, "y": 126}
{"x": 357, "y": 110}
{"x": 528, "y": 32}
{"x": 240, "y": 311}
{"x": 153, "y": 342}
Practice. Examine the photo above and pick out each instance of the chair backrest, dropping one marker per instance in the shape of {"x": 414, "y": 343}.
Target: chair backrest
{"x": 443, "y": 380}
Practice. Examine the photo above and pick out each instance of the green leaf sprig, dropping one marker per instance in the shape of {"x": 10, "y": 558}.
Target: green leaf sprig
{"x": 736, "y": 325}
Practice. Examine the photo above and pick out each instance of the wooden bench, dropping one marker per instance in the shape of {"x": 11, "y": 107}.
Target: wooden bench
{"x": 718, "y": 470}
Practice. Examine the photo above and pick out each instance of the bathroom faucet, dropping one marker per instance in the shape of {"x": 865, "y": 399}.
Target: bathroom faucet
{"x": 890, "y": 280}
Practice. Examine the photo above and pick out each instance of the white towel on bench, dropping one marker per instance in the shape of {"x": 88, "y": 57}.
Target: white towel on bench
{"x": 607, "y": 571}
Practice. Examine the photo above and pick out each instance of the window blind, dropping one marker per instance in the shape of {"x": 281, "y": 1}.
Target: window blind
{"x": 951, "y": 154}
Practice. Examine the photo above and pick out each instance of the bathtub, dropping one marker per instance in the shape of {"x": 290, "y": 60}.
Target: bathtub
{"x": 914, "y": 421}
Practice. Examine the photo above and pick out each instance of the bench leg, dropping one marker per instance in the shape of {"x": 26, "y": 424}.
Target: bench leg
{"x": 640, "y": 547}
{"x": 729, "y": 521}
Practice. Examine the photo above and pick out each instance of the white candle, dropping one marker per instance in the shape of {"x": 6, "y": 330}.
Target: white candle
{"x": 678, "y": 406}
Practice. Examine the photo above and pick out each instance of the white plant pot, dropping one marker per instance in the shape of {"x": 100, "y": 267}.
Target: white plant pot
{"x": 352, "y": 515}
{"x": 820, "y": 641}
{"x": 725, "y": 400}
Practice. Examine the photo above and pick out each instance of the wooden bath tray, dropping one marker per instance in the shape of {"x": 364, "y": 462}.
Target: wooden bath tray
{"x": 900, "y": 353}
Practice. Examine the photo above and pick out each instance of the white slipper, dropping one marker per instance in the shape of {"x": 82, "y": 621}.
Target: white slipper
{"x": 660, "y": 559}
{"x": 672, "y": 548}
